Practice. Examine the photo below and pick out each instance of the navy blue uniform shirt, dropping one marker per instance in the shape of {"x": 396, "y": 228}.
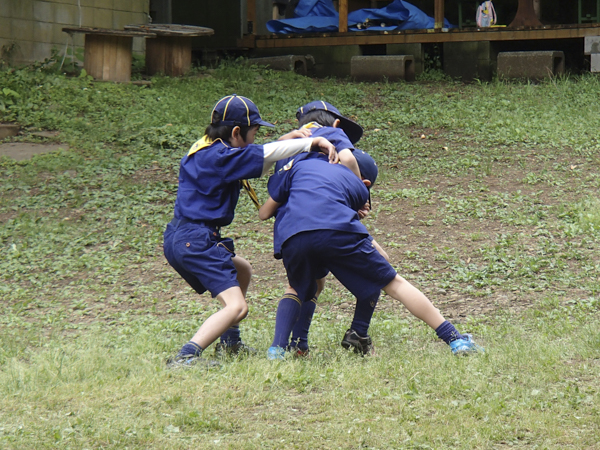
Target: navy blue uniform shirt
{"x": 315, "y": 195}
{"x": 209, "y": 181}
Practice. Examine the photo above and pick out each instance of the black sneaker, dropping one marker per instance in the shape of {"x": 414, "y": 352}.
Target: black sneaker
{"x": 361, "y": 345}
{"x": 240, "y": 348}
{"x": 182, "y": 362}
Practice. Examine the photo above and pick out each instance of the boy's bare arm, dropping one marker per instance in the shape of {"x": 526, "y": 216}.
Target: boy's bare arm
{"x": 267, "y": 210}
{"x": 301, "y": 133}
{"x": 347, "y": 159}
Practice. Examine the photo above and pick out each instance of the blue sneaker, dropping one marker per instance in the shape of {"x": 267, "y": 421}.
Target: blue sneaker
{"x": 465, "y": 346}
{"x": 186, "y": 361}
{"x": 275, "y": 353}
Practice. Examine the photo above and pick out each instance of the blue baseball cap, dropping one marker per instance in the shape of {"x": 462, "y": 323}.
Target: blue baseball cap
{"x": 237, "y": 111}
{"x": 366, "y": 165}
{"x": 353, "y": 130}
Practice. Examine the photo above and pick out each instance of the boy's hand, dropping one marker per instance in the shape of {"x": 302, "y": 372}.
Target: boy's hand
{"x": 301, "y": 133}
{"x": 327, "y": 148}
{"x": 364, "y": 211}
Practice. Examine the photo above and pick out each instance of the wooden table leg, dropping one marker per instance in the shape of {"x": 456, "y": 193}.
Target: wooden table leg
{"x": 526, "y": 16}
{"x": 108, "y": 58}
{"x": 170, "y": 55}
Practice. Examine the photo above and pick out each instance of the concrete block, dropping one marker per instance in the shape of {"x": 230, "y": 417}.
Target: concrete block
{"x": 533, "y": 64}
{"x": 124, "y": 5}
{"x": 22, "y": 30}
{"x": 8, "y": 130}
{"x": 379, "y": 67}
{"x": 88, "y": 16}
{"x": 43, "y": 11}
{"x": 468, "y": 60}
{"x": 591, "y": 45}
{"x": 66, "y": 15}
{"x": 41, "y": 51}
{"x": 595, "y": 62}
{"x": 42, "y": 32}
{"x": 103, "y": 18}
{"x": 5, "y": 10}
{"x": 5, "y": 28}
{"x": 303, "y": 65}
{"x": 121, "y": 18}
{"x": 416, "y": 50}
{"x": 105, "y": 4}
{"x": 22, "y": 9}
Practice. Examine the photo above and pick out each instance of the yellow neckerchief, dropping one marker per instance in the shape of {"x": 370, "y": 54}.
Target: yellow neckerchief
{"x": 206, "y": 142}
{"x": 310, "y": 125}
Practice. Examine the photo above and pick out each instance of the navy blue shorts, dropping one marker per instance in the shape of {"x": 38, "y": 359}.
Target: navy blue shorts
{"x": 202, "y": 258}
{"x": 350, "y": 257}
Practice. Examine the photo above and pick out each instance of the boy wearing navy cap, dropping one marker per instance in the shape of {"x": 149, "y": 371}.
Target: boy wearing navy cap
{"x": 319, "y": 230}
{"x": 210, "y": 179}
{"x": 323, "y": 119}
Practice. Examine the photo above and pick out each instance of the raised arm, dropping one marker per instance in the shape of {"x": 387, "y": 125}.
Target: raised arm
{"x": 268, "y": 210}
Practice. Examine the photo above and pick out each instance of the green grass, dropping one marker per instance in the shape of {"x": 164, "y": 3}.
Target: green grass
{"x": 487, "y": 201}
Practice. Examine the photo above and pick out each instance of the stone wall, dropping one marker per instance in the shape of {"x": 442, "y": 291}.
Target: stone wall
{"x": 31, "y": 29}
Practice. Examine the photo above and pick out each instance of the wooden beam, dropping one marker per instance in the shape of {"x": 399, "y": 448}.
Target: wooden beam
{"x": 420, "y": 37}
{"x": 343, "y": 27}
{"x": 251, "y": 16}
{"x": 439, "y": 14}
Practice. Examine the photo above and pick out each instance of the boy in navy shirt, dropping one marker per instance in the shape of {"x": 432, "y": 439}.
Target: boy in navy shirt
{"x": 320, "y": 118}
{"x": 319, "y": 230}
{"x": 210, "y": 178}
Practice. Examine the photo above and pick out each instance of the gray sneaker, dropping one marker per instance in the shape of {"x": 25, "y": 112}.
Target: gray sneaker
{"x": 183, "y": 362}
{"x": 240, "y": 348}
{"x": 359, "y": 344}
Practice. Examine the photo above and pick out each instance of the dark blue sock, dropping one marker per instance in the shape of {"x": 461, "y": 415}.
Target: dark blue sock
{"x": 191, "y": 348}
{"x": 231, "y": 336}
{"x": 448, "y": 333}
{"x": 300, "y": 331}
{"x": 363, "y": 313}
{"x": 287, "y": 315}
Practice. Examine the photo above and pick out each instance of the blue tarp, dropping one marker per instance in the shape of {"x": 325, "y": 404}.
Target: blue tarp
{"x": 318, "y": 16}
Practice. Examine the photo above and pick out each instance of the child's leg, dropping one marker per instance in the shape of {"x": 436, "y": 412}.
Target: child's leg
{"x": 420, "y": 306}
{"x": 307, "y": 310}
{"x": 235, "y": 309}
{"x": 231, "y": 337}
{"x": 415, "y": 301}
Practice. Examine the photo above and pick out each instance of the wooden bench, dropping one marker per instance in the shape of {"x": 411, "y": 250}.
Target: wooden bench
{"x": 107, "y": 53}
{"x": 170, "y": 52}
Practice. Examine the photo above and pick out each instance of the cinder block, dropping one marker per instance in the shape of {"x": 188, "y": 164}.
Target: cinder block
{"x": 106, "y": 4}
{"x": 42, "y": 32}
{"x": 88, "y": 15}
{"x": 595, "y": 62}
{"x": 22, "y": 30}
{"x": 468, "y": 60}
{"x": 533, "y": 64}
{"x": 591, "y": 45}
{"x": 124, "y": 5}
{"x": 5, "y": 10}
{"x": 121, "y": 18}
{"x": 43, "y": 11}
{"x": 66, "y": 14}
{"x": 22, "y": 9}
{"x": 416, "y": 50}
{"x": 391, "y": 67}
{"x": 41, "y": 51}
{"x": 303, "y": 65}
{"x": 103, "y": 18}
{"x": 5, "y": 28}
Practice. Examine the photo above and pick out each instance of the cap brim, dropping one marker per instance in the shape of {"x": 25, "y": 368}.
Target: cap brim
{"x": 264, "y": 124}
{"x": 353, "y": 130}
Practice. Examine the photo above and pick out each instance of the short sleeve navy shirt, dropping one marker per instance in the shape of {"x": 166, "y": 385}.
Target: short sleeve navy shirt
{"x": 316, "y": 195}
{"x": 209, "y": 181}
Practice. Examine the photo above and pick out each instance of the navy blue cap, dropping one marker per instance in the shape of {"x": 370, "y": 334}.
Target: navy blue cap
{"x": 237, "y": 111}
{"x": 353, "y": 130}
{"x": 366, "y": 165}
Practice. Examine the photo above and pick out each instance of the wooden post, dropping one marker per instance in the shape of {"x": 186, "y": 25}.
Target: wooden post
{"x": 169, "y": 55}
{"x": 525, "y": 15}
{"x": 439, "y": 14}
{"x": 108, "y": 58}
{"x": 251, "y": 15}
{"x": 343, "y": 12}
